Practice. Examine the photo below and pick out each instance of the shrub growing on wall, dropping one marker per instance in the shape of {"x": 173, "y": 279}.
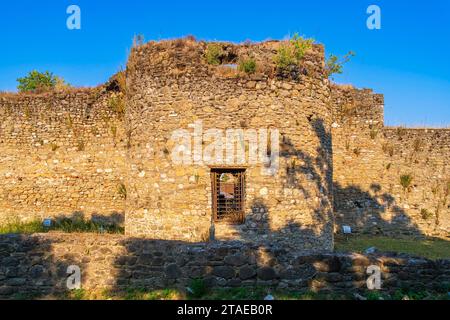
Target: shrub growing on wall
{"x": 292, "y": 52}
{"x": 290, "y": 56}
{"x": 247, "y": 65}
{"x": 37, "y": 81}
{"x": 213, "y": 53}
{"x": 285, "y": 57}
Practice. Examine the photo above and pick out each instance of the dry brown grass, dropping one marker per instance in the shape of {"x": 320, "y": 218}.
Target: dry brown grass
{"x": 388, "y": 149}
{"x": 227, "y": 72}
{"x": 117, "y": 104}
{"x": 48, "y": 93}
{"x": 418, "y": 144}
{"x": 121, "y": 78}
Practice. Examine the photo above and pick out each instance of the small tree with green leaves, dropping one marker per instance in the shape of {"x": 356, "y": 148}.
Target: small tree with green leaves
{"x": 335, "y": 64}
{"x": 213, "y": 53}
{"x": 37, "y": 81}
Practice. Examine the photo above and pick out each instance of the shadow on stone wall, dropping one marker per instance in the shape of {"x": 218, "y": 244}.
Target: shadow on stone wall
{"x": 259, "y": 256}
{"x": 292, "y": 236}
{"x": 29, "y": 268}
{"x": 372, "y": 214}
{"x": 152, "y": 265}
{"x": 303, "y": 169}
{"x": 301, "y": 164}
{"x": 36, "y": 267}
{"x": 275, "y": 259}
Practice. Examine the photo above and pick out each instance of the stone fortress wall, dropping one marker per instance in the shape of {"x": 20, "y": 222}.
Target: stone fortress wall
{"x": 369, "y": 161}
{"x": 62, "y": 154}
{"x": 36, "y": 267}
{"x": 170, "y": 86}
{"x": 74, "y": 153}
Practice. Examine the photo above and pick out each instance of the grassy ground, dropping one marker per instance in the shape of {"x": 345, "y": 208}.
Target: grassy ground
{"x": 63, "y": 225}
{"x": 254, "y": 294}
{"x": 431, "y": 248}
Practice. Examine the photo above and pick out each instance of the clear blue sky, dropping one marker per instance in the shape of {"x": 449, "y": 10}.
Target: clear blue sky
{"x": 407, "y": 60}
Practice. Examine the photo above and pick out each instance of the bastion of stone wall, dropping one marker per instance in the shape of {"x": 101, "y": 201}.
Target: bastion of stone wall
{"x": 170, "y": 87}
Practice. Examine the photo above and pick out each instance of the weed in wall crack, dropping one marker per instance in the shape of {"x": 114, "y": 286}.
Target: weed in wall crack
{"x": 81, "y": 146}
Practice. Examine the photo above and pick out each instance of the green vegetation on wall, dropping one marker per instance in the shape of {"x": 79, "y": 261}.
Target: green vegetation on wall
{"x": 37, "y": 81}
{"x": 335, "y": 64}
{"x": 213, "y": 53}
{"x": 247, "y": 65}
{"x": 293, "y": 51}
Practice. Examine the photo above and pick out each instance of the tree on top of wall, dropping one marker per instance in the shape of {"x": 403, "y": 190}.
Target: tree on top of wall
{"x": 37, "y": 81}
{"x": 335, "y": 64}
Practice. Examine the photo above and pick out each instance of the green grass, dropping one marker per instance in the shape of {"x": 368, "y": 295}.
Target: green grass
{"x": 131, "y": 294}
{"x": 237, "y": 294}
{"x": 247, "y": 65}
{"x": 431, "y": 248}
{"x": 409, "y": 295}
{"x": 23, "y": 228}
{"x": 259, "y": 293}
{"x": 165, "y": 294}
{"x": 198, "y": 288}
{"x": 64, "y": 225}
